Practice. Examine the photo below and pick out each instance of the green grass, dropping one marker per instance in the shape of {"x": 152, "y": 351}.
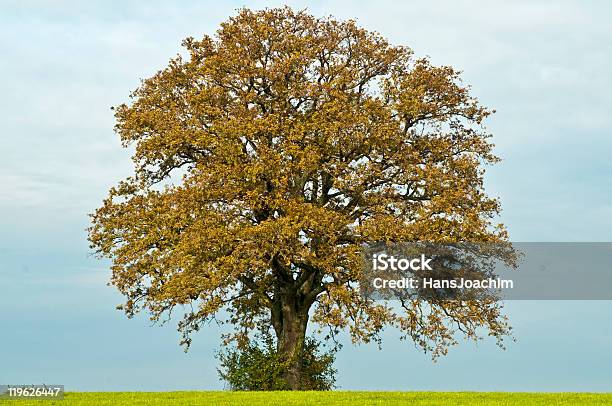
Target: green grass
{"x": 321, "y": 398}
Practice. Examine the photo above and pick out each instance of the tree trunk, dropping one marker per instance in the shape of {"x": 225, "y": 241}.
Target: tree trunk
{"x": 290, "y": 321}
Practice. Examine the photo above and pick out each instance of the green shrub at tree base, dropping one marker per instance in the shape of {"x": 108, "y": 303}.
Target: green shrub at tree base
{"x": 258, "y": 366}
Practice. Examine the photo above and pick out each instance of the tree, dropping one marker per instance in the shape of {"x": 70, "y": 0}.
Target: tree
{"x": 268, "y": 156}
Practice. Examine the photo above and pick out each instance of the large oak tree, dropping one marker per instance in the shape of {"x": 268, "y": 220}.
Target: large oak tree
{"x": 269, "y": 155}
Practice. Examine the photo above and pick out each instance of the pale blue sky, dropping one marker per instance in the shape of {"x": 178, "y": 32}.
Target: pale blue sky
{"x": 544, "y": 65}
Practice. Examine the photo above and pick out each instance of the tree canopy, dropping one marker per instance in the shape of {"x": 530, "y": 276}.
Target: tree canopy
{"x": 267, "y": 155}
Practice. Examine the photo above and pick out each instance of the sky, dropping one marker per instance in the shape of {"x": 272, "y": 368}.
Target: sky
{"x": 543, "y": 65}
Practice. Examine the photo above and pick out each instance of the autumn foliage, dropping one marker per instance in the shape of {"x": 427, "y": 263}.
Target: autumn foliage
{"x": 267, "y": 155}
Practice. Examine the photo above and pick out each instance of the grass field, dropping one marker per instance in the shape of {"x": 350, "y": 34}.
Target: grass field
{"x": 321, "y": 398}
